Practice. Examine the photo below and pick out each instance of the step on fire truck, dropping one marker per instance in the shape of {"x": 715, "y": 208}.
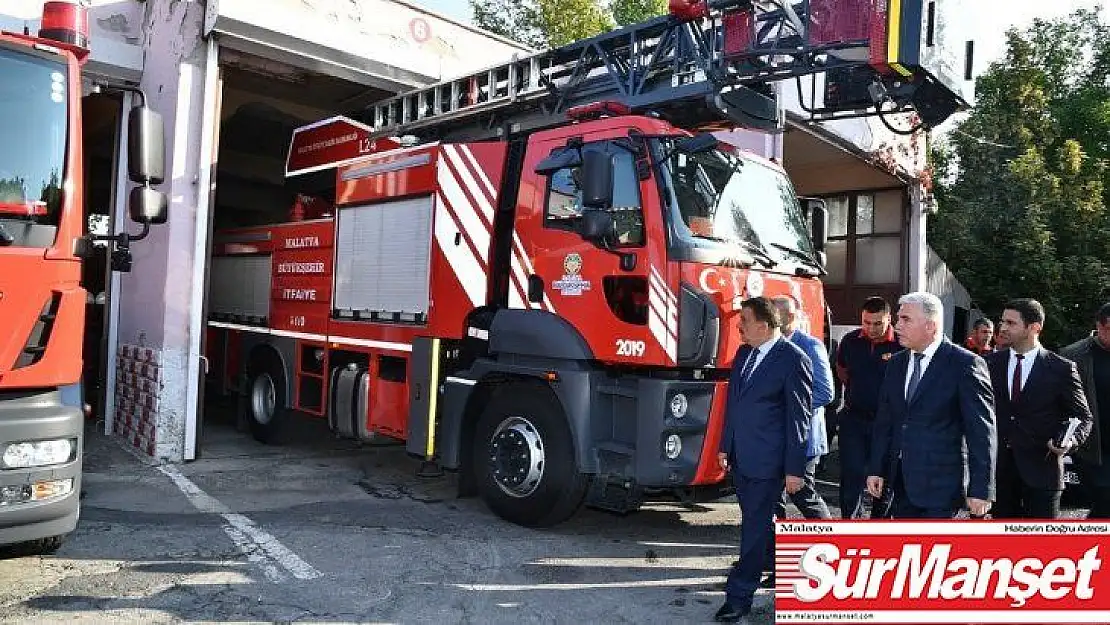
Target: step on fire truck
{"x": 532, "y": 275}
{"x": 42, "y": 244}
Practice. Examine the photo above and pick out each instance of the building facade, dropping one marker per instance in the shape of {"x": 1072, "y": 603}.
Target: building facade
{"x": 232, "y": 81}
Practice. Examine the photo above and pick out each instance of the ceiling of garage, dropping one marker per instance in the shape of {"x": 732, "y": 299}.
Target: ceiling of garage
{"x": 262, "y": 103}
{"x": 818, "y": 164}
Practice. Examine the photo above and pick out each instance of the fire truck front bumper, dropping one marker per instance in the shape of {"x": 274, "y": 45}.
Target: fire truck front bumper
{"x": 41, "y": 439}
{"x": 678, "y": 433}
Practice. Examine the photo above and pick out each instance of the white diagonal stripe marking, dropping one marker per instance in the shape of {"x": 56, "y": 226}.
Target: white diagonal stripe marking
{"x": 465, "y": 149}
{"x": 472, "y": 226}
{"x": 480, "y": 198}
{"x": 462, "y": 261}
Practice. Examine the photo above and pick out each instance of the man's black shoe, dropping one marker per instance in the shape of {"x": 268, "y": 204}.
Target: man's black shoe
{"x": 728, "y": 614}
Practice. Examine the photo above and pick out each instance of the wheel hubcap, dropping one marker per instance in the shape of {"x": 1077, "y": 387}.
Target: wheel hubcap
{"x": 263, "y": 398}
{"x": 516, "y": 457}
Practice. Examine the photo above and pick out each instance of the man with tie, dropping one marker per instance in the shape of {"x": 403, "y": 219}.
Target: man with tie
{"x": 1036, "y": 393}
{"x": 935, "y": 420}
{"x": 767, "y": 417}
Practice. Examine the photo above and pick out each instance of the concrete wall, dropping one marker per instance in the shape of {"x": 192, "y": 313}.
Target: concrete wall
{"x": 388, "y": 43}
{"x": 943, "y": 283}
{"x": 115, "y": 33}
{"x": 154, "y": 298}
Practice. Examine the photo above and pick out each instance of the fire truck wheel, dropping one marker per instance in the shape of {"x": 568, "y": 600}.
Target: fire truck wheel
{"x": 40, "y": 547}
{"x": 266, "y": 414}
{"x": 524, "y": 461}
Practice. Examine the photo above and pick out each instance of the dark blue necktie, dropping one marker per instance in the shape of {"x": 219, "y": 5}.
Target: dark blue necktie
{"x": 915, "y": 377}
{"x": 748, "y": 366}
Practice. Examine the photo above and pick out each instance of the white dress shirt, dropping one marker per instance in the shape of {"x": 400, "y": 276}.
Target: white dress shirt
{"x": 929, "y": 352}
{"x": 760, "y": 353}
{"x": 1026, "y": 367}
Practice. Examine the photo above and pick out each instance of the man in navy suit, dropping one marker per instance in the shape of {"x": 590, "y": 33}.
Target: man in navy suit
{"x": 1036, "y": 393}
{"x": 935, "y": 422}
{"x": 767, "y": 418}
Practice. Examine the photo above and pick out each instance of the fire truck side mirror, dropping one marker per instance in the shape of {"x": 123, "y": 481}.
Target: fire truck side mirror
{"x": 146, "y": 146}
{"x": 562, "y": 158}
{"x": 598, "y": 226}
{"x": 148, "y": 206}
{"x": 818, "y": 223}
{"x": 597, "y": 180}
{"x": 697, "y": 144}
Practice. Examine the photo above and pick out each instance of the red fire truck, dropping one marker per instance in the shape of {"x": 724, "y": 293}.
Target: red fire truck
{"x": 532, "y": 274}
{"x": 42, "y": 242}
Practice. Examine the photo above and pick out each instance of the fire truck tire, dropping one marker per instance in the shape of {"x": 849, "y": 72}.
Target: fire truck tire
{"x": 40, "y": 547}
{"x": 265, "y": 410}
{"x": 524, "y": 463}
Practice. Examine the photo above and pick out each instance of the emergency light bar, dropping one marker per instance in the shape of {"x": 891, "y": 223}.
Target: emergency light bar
{"x": 66, "y": 22}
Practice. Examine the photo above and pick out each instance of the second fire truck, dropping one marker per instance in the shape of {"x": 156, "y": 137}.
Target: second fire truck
{"x": 532, "y": 275}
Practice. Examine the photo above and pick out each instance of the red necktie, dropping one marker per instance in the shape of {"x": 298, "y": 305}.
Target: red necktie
{"x": 1015, "y": 391}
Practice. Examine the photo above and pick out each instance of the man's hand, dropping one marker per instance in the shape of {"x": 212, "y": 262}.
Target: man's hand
{"x": 875, "y": 486}
{"x": 722, "y": 459}
{"x": 793, "y": 484}
{"x": 978, "y": 507}
{"x": 1060, "y": 451}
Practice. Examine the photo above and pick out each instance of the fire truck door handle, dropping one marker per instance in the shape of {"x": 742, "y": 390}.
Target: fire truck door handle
{"x": 458, "y": 238}
{"x": 204, "y": 359}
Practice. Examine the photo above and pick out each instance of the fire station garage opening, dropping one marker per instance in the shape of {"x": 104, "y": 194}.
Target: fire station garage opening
{"x": 262, "y": 102}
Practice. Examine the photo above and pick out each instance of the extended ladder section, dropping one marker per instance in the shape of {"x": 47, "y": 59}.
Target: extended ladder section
{"x": 707, "y": 64}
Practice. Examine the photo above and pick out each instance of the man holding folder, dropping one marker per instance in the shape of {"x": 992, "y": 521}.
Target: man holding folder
{"x": 1037, "y": 395}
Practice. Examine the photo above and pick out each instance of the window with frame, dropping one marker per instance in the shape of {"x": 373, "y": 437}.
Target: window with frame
{"x": 563, "y": 208}
{"x": 865, "y": 238}
{"x": 865, "y": 251}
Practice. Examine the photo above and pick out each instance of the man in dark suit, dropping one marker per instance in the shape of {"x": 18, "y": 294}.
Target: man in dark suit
{"x": 1036, "y": 392}
{"x": 767, "y": 420}
{"x": 1092, "y": 355}
{"x": 935, "y": 421}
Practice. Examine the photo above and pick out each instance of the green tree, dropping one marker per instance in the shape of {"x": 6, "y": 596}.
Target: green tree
{"x": 544, "y": 24}
{"x": 518, "y": 20}
{"x": 564, "y": 21}
{"x": 627, "y": 12}
{"x": 1023, "y": 181}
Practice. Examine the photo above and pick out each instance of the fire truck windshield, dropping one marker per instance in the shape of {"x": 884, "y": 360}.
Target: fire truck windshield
{"x": 33, "y": 124}
{"x": 728, "y": 199}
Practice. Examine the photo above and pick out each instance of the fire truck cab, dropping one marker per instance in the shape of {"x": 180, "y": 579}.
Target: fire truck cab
{"x": 42, "y": 244}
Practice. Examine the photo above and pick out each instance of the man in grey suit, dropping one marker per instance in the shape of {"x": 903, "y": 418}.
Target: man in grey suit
{"x": 935, "y": 421}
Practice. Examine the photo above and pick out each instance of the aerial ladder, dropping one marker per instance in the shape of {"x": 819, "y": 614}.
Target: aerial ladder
{"x": 712, "y": 63}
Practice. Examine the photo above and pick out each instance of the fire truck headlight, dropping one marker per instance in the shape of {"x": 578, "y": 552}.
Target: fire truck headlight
{"x": 673, "y": 447}
{"x": 679, "y": 406}
{"x": 37, "y": 453}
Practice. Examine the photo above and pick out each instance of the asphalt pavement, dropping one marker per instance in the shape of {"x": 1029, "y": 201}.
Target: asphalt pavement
{"x": 331, "y": 531}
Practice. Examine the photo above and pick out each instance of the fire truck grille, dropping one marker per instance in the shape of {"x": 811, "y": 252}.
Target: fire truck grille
{"x": 35, "y": 347}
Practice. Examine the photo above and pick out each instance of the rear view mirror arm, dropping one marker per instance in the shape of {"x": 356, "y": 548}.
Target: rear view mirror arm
{"x": 122, "y": 239}
{"x": 121, "y": 87}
